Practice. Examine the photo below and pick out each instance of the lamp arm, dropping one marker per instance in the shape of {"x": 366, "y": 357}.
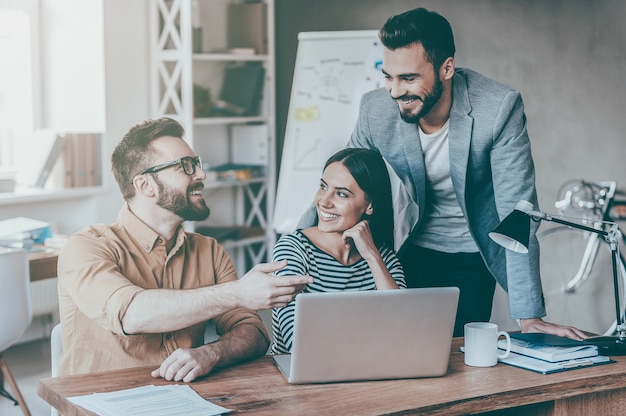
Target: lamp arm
{"x": 611, "y": 237}
{"x": 542, "y": 216}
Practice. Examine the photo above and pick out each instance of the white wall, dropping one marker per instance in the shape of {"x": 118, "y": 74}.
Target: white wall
{"x": 568, "y": 59}
{"x": 127, "y": 53}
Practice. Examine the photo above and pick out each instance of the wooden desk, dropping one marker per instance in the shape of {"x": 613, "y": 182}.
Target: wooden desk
{"x": 259, "y": 388}
{"x": 43, "y": 264}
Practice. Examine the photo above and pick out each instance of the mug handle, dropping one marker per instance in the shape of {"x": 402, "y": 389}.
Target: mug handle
{"x": 508, "y": 344}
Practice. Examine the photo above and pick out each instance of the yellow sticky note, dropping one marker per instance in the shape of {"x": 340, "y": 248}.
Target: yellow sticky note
{"x": 307, "y": 113}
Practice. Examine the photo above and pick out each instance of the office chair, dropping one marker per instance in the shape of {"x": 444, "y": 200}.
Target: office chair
{"x": 15, "y": 313}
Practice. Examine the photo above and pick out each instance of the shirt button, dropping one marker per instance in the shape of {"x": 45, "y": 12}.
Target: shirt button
{"x": 159, "y": 240}
{"x": 168, "y": 336}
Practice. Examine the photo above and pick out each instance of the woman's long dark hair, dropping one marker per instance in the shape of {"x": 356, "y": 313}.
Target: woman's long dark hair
{"x": 368, "y": 169}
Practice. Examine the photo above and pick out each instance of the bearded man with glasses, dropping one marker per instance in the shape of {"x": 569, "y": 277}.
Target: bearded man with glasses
{"x": 142, "y": 290}
{"x": 176, "y": 201}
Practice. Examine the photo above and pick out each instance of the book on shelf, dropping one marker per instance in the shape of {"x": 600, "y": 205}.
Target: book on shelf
{"x": 236, "y": 172}
{"x": 548, "y": 347}
{"x": 51, "y": 160}
{"x": 81, "y": 156}
{"x": 41, "y": 154}
{"x": 234, "y": 51}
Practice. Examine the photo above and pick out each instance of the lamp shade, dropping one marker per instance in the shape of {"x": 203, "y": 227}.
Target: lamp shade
{"x": 513, "y": 233}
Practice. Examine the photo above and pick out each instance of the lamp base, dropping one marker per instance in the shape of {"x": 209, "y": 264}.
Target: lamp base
{"x": 608, "y": 345}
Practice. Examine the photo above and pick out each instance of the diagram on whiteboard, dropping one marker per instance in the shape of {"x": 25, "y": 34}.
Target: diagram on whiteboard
{"x": 325, "y": 100}
{"x": 326, "y": 82}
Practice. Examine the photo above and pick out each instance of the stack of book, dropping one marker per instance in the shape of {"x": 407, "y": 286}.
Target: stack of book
{"x": 546, "y": 353}
{"x": 235, "y": 172}
{"x": 81, "y": 156}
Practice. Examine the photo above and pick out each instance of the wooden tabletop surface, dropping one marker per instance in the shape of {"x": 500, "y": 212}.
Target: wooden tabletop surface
{"x": 258, "y": 387}
{"x": 43, "y": 264}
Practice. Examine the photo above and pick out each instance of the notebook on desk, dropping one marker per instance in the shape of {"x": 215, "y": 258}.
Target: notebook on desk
{"x": 371, "y": 335}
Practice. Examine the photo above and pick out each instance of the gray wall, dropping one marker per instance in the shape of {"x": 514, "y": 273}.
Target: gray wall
{"x": 567, "y": 57}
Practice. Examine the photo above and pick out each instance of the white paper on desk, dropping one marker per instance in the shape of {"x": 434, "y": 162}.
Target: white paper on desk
{"x": 176, "y": 399}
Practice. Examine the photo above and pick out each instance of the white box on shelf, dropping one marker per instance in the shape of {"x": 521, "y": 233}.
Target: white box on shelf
{"x": 7, "y": 181}
{"x": 249, "y": 144}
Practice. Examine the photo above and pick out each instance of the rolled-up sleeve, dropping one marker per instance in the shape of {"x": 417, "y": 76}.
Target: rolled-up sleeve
{"x": 90, "y": 274}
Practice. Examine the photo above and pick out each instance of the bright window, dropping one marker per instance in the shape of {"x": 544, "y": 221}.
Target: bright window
{"x": 19, "y": 89}
{"x": 51, "y": 81}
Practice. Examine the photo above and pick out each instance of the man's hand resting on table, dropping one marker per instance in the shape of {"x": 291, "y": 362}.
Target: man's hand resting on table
{"x": 539, "y": 325}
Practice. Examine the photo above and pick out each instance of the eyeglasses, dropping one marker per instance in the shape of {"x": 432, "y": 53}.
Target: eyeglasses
{"x": 188, "y": 163}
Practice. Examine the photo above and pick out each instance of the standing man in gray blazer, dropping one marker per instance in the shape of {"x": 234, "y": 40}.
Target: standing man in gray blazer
{"x": 458, "y": 142}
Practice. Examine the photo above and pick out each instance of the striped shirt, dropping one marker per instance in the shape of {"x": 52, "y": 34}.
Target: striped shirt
{"x": 329, "y": 275}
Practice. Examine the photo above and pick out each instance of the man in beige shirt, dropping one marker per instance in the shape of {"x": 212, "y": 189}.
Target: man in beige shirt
{"x": 141, "y": 290}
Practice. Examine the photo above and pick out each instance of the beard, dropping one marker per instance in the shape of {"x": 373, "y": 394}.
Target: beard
{"x": 178, "y": 202}
{"x": 428, "y": 102}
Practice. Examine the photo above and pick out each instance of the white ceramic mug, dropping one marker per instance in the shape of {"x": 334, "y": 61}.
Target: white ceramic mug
{"x": 481, "y": 344}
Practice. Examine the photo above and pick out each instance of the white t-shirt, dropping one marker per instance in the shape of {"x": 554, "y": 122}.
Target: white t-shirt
{"x": 443, "y": 227}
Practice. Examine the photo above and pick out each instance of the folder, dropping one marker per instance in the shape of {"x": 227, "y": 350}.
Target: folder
{"x": 546, "y": 367}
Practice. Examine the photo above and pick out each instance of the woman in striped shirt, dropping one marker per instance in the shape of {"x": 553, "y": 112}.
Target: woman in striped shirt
{"x": 351, "y": 247}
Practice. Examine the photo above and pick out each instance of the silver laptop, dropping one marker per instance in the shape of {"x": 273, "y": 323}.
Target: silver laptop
{"x": 371, "y": 335}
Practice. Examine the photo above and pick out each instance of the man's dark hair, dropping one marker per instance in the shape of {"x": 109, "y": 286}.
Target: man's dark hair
{"x": 419, "y": 25}
{"x": 134, "y": 153}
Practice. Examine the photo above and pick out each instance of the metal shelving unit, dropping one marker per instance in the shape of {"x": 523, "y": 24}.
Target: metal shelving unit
{"x": 246, "y": 205}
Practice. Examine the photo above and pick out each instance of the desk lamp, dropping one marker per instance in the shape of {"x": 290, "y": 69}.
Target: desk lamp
{"x": 513, "y": 233}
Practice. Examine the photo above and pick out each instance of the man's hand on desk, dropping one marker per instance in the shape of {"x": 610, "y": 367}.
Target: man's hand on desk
{"x": 241, "y": 343}
{"x": 186, "y": 364}
{"x": 539, "y": 325}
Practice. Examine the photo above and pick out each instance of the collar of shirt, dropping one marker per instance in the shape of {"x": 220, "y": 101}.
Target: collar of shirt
{"x": 143, "y": 234}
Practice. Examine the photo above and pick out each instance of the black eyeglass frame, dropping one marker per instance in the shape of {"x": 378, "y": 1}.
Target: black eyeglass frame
{"x": 196, "y": 162}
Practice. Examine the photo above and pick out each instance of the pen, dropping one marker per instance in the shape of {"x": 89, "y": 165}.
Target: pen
{"x": 577, "y": 363}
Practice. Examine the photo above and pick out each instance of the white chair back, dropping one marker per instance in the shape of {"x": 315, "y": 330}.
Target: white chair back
{"x": 16, "y": 312}
{"x": 56, "y": 346}
{"x": 16, "y": 309}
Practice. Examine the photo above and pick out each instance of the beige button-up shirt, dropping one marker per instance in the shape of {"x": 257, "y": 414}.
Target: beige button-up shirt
{"x": 103, "y": 267}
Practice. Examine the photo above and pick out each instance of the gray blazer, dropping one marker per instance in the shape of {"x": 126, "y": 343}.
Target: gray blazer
{"x": 491, "y": 167}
